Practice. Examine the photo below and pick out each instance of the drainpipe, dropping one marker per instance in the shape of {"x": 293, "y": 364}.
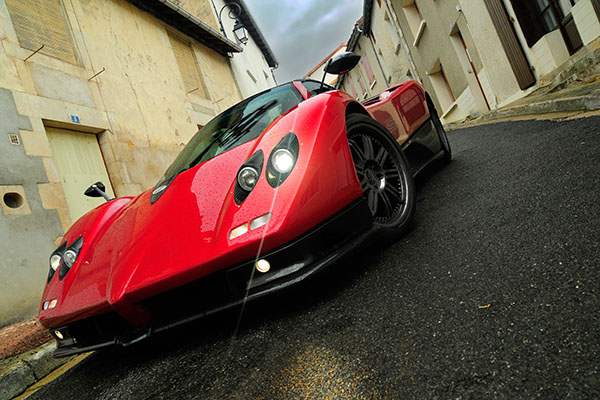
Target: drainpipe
{"x": 392, "y": 11}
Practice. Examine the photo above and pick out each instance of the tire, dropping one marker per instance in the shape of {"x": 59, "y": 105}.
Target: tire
{"x": 383, "y": 172}
{"x": 444, "y": 143}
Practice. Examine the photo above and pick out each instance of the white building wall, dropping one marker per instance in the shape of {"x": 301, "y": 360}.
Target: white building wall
{"x": 586, "y": 20}
{"x": 250, "y": 67}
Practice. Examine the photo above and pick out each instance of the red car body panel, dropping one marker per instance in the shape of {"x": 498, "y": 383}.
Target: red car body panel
{"x": 402, "y": 109}
{"x": 134, "y": 250}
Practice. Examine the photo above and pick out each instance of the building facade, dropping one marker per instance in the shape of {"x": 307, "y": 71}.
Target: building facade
{"x": 91, "y": 91}
{"x": 384, "y": 61}
{"x": 253, "y": 67}
{"x": 474, "y": 56}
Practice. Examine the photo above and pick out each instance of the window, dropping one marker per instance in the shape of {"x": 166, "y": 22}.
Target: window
{"x": 186, "y": 61}
{"x": 314, "y": 87}
{"x": 352, "y": 87}
{"x": 362, "y": 86}
{"x": 42, "y": 23}
{"x": 239, "y": 124}
{"x": 392, "y": 31}
{"x": 441, "y": 86}
{"x": 415, "y": 19}
{"x": 368, "y": 71}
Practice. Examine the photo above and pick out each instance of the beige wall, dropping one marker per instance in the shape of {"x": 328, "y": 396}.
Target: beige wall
{"x": 251, "y": 70}
{"x": 138, "y": 106}
{"x": 384, "y": 52}
{"x": 139, "y": 99}
{"x": 433, "y": 46}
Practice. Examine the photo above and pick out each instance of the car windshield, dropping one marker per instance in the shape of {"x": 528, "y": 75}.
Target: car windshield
{"x": 237, "y": 125}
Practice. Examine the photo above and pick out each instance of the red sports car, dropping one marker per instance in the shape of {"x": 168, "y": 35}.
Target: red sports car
{"x": 268, "y": 193}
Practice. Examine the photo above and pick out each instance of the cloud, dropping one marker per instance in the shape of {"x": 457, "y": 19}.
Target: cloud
{"x": 302, "y": 32}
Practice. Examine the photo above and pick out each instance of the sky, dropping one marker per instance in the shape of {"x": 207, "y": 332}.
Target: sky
{"x": 301, "y": 33}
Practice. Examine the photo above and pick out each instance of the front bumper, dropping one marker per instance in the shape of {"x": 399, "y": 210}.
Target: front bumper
{"x": 232, "y": 286}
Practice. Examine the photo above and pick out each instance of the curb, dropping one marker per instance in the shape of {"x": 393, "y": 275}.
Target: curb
{"x": 19, "y": 372}
{"x": 565, "y": 105}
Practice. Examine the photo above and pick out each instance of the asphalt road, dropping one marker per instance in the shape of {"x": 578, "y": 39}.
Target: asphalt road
{"x": 493, "y": 293}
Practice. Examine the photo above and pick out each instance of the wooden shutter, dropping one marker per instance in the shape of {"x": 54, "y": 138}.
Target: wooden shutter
{"x": 510, "y": 43}
{"x": 42, "y": 22}
{"x": 368, "y": 70}
{"x": 187, "y": 66}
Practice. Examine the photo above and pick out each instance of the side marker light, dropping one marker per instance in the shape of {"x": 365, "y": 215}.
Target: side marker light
{"x": 239, "y": 231}
{"x": 260, "y": 221}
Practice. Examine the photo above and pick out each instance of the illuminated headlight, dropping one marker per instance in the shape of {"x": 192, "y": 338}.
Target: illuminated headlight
{"x": 58, "y": 334}
{"x": 247, "y": 178}
{"x": 69, "y": 258}
{"x": 283, "y": 161}
{"x": 55, "y": 262}
{"x": 45, "y": 305}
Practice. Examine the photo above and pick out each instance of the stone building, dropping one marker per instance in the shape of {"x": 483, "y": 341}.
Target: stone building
{"x": 253, "y": 67}
{"x": 477, "y": 55}
{"x": 384, "y": 61}
{"x": 99, "y": 90}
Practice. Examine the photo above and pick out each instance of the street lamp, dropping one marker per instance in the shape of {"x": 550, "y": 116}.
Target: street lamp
{"x": 239, "y": 30}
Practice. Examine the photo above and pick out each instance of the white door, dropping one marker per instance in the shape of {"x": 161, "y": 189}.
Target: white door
{"x": 80, "y": 163}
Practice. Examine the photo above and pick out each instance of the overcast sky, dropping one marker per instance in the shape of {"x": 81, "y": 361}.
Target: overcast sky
{"x": 301, "y": 33}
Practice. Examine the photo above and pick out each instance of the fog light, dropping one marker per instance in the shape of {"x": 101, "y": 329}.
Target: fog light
{"x": 52, "y": 303}
{"x": 263, "y": 266}
{"x": 59, "y": 335}
{"x": 239, "y": 231}
{"x": 260, "y": 221}
{"x": 45, "y": 305}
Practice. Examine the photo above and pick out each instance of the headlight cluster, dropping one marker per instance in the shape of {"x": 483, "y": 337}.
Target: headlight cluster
{"x": 247, "y": 176}
{"x": 282, "y": 160}
{"x": 63, "y": 258}
{"x": 279, "y": 166}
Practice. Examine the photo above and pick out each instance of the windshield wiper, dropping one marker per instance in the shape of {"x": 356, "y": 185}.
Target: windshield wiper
{"x": 238, "y": 129}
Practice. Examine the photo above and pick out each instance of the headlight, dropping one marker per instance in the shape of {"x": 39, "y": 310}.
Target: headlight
{"x": 283, "y": 161}
{"x": 247, "y": 178}
{"x": 70, "y": 256}
{"x": 55, "y": 261}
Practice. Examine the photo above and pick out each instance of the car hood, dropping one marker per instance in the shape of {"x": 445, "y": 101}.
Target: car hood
{"x": 147, "y": 249}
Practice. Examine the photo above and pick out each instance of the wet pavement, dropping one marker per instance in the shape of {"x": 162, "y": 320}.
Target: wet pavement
{"x": 493, "y": 293}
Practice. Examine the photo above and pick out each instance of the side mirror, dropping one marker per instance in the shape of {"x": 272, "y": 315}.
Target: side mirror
{"x": 342, "y": 63}
{"x": 97, "y": 190}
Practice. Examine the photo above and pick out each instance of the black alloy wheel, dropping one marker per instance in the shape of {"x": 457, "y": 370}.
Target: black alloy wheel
{"x": 443, "y": 137}
{"x": 383, "y": 172}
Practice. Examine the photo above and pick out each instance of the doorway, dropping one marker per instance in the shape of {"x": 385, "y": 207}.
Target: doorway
{"x": 79, "y": 163}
